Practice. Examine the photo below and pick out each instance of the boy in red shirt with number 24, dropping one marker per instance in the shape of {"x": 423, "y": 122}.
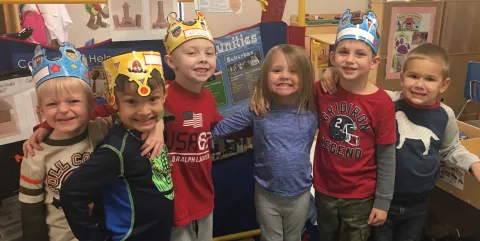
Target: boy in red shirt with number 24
{"x": 354, "y": 163}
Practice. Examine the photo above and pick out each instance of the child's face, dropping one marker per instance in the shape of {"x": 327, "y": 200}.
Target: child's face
{"x": 66, "y": 112}
{"x": 138, "y": 112}
{"x": 353, "y": 59}
{"x": 282, "y": 79}
{"x": 194, "y": 60}
{"x": 423, "y": 80}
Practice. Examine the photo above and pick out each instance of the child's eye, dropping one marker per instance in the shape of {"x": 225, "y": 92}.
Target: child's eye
{"x": 131, "y": 102}
{"x": 293, "y": 71}
{"x": 73, "y": 101}
{"x": 211, "y": 54}
{"x": 191, "y": 53}
{"x": 154, "y": 98}
{"x": 275, "y": 70}
{"x": 51, "y": 104}
{"x": 413, "y": 76}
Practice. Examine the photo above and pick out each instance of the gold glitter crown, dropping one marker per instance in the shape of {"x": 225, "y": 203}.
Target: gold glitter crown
{"x": 136, "y": 66}
{"x": 179, "y": 31}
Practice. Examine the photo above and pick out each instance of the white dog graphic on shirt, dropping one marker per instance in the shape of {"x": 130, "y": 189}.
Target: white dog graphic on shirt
{"x": 407, "y": 129}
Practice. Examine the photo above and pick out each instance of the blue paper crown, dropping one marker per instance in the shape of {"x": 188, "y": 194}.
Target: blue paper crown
{"x": 69, "y": 64}
{"x": 365, "y": 31}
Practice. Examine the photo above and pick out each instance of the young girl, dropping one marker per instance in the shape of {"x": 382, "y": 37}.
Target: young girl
{"x": 282, "y": 140}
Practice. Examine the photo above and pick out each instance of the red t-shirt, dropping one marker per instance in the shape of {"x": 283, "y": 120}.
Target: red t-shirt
{"x": 350, "y": 126}
{"x": 189, "y": 139}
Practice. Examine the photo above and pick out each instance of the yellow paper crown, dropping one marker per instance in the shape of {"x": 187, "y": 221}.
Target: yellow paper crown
{"x": 179, "y": 31}
{"x": 136, "y": 66}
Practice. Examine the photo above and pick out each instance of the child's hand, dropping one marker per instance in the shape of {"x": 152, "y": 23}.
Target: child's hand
{"x": 153, "y": 140}
{"x": 377, "y": 217}
{"x": 34, "y": 142}
{"x": 259, "y": 108}
{"x": 476, "y": 170}
{"x": 329, "y": 80}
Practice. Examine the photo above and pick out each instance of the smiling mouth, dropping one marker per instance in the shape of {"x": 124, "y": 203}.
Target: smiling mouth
{"x": 284, "y": 85}
{"x": 418, "y": 93}
{"x": 201, "y": 70}
{"x": 64, "y": 120}
{"x": 349, "y": 69}
{"x": 145, "y": 120}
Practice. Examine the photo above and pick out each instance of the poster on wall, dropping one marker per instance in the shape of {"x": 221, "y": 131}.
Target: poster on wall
{"x": 409, "y": 27}
{"x": 239, "y": 58}
{"x": 452, "y": 175}
{"x": 98, "y": 16}
{"x": 140, "y": 19}
{"x": 219, "y": 6}
{"x": 18, "y": 114}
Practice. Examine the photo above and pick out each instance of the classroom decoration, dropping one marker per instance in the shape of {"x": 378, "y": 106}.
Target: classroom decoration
{"x": 140, "y": 19}
{"x": 70, "y": 64}
{"x": 409, "y": 27}
{"x": 135, "y": 66}
{"x": 179, "y": 31}
{"x": 365, "y": 31}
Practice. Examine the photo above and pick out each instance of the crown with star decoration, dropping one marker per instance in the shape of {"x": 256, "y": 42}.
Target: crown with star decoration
{"x": 70, "y": 64}
{"x": 365, "y": 31}
{"x": 137, "y": 66}
{"x": 180, "y": 31}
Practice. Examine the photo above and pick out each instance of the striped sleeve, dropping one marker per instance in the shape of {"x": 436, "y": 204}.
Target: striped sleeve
{"x": 32, "y": 177}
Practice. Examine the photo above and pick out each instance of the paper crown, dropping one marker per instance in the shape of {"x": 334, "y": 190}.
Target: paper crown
{"x": 136, "y": 67}
{"x": 179, "y": 31}
{"x": 69, "y": 64}
{"x": 365, "y": 31}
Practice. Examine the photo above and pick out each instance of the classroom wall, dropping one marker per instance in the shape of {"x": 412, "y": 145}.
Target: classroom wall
{"x": 220, "y": 24}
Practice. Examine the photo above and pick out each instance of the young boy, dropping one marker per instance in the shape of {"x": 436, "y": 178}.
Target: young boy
{"x": 426, "y": 130}
{"x": 354, "y": 161}
{"x": 136, "y": 192}
{"x": 191, "y": 55}
{"x": 64, "y": 100}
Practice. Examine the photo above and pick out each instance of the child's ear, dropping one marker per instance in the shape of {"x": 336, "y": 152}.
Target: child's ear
{"x": 332, "y": 57}
{"x": 444, "y": 85}
{"x": 375, "y": 62}
{"x": 169, "y": 61}
{"x": 40, "y": 110}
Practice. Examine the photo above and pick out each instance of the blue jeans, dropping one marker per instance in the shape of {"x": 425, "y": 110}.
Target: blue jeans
{"x": 404, "y": 222}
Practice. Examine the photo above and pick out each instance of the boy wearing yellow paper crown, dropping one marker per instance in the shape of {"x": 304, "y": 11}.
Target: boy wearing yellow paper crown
{"x": 136, "y": 191}
{"x": 191, "y": 55}
{"x": 64, "y": 99}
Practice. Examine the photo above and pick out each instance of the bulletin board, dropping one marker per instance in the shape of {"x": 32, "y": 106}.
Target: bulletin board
{"x": 384, "y": 11}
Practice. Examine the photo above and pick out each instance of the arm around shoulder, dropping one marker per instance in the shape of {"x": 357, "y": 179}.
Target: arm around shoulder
{"x": 232, "y": 124}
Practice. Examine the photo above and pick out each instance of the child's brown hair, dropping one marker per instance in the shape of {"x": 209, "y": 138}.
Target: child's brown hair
{"x": 429, "y": 51}
{"x": 298, "y": 60}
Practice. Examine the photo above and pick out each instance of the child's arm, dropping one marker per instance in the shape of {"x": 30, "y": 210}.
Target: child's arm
{"x": 83, "y": 185}
{"x": 385, "y": 135}
{"x": 42, "y": 130}
{"x": 454, "y": 152}
{"x": 32, "y": 196}
{"x": 233, "y": 124}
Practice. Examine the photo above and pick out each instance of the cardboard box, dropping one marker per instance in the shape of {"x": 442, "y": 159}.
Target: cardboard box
{"x": 462, "y": 184}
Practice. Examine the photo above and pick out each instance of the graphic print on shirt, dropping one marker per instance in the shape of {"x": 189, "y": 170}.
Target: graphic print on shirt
{"x": 192, "y": 119}
{"x": 161, "y": 173}
{"x": 408, "y": 130}
{"x": 187, "y": 146}
{"x": 60, "y": 171}
{"x": 344, "y": 121}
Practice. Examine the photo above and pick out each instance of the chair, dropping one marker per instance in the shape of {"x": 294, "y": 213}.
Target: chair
{"x": 472, "y": 85}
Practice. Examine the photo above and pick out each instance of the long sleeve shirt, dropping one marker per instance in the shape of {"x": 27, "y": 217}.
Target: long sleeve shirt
{"x": 282, "y": 140}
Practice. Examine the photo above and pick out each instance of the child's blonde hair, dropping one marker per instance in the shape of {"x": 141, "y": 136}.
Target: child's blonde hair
{"x": 431, "y": 52}
{"x": 298, "y": 60}
{"x": 66, "y": 85}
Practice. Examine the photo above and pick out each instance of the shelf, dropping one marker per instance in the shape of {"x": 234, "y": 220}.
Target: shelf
{"x": 51, "y": 1}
